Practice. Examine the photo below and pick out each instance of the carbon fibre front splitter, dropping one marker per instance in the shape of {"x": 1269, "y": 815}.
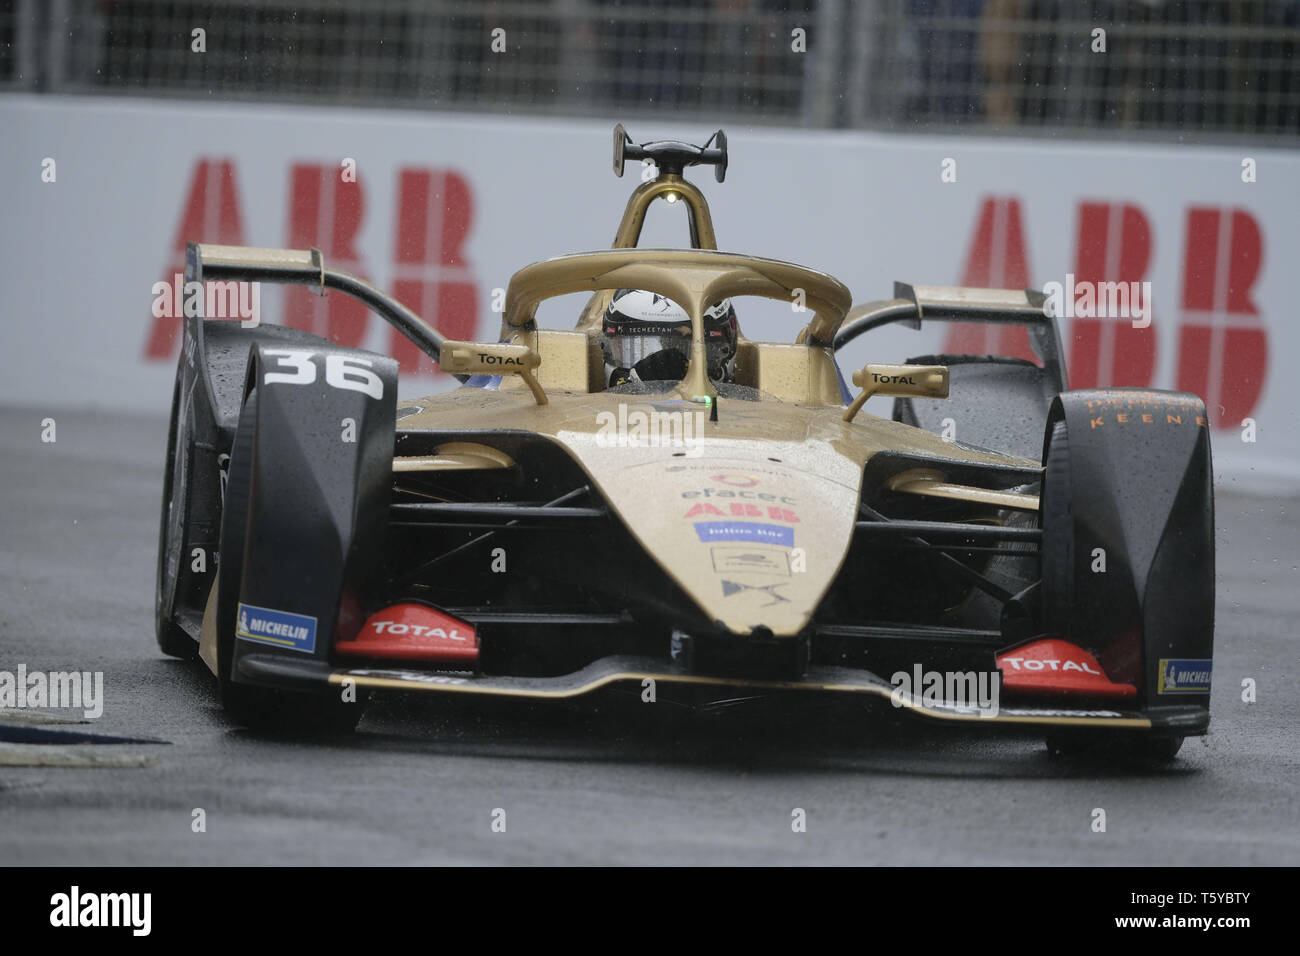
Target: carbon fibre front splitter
{"x": 275, "y": 670}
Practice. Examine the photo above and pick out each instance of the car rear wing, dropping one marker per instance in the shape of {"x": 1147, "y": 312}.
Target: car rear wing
{"x": 913, "y": 304}
{"x": 205, "y": 262}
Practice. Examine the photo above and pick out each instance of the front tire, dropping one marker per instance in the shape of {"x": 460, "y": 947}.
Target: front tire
{"x": 253, "y": 706}
{"x": 173, "y": 639}
{"x": 1057, "y": 552}
{"x": 1124, "y": 747}
{"x": 1065, "y": 601}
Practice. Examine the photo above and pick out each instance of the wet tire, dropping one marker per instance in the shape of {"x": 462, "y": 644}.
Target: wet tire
{"x": 172, "y": 638}
{"x": 1058, "y": 609}
{"x": 1115, "y": 747}
{"x": 252, "y": 706}
{"x": 1057, "y": 553}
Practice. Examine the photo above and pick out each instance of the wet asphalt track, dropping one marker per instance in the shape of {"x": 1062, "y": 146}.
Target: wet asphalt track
{"x": 622, "y": 784}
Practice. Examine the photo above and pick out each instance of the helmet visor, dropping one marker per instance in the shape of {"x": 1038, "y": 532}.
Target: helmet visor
{"x": 628, "y": 347}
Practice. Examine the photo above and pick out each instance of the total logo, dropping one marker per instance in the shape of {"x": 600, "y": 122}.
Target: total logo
{"x": 417, "y": 630}
{"x": 414, "y": 632}
{"x": 1051, "y": 666}
{"x": 736, "y": 481}
{"x": 1037, "y": 664}
{"x": 892, "y": 379}
{"x": 487, "y": 358}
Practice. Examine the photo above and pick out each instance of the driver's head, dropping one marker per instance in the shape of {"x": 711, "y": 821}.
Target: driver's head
{"x": 647, "y": 338}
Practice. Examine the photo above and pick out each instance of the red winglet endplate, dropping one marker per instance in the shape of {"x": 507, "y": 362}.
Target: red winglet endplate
{"x": 414, "y": 632}
{"x": 1053, "y": 666}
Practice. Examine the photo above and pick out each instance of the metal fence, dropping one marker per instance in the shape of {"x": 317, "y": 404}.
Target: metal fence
{"x": 1199, "y": 67}
{"x": 1214, "y": 66}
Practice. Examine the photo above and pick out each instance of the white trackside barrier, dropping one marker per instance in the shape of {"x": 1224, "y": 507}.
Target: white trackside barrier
{"x": 1171, "y": 264}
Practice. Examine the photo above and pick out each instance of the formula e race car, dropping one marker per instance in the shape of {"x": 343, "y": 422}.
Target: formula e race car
{"x": 651, "y": 499}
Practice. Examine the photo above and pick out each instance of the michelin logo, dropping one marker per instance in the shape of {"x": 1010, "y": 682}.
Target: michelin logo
{"x": 263, "y": 625}
{"x": 1181, "y": 676}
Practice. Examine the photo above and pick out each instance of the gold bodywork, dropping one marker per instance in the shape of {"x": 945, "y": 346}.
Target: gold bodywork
{"x": 777, "y": 478}
{"x": 456, "y": 456}
{"x": 493, "y": 358}
{"x": 930, "y": 483}
{"x": 670, "y": 187}
{"x": 694, "y": 279}
{"x": 927, "y": 380}
{"x": 748, "y": 506}
{"x": 636, "y": 672}
{"x": 749, "y": 511}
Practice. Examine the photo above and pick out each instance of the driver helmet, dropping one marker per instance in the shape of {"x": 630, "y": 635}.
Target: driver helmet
{"x": 646, "y": 337}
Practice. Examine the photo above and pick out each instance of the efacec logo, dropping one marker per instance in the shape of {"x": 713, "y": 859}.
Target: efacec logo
{"x": 77, "y": 909}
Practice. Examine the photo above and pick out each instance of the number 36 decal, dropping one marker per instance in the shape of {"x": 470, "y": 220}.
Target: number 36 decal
{"x": 341, "y": 371}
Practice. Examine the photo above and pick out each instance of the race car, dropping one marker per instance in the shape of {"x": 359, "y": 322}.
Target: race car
{"x": 651, "y": 500}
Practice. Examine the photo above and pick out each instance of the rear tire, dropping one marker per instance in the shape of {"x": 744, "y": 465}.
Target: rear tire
{"x": 253, "y": 706}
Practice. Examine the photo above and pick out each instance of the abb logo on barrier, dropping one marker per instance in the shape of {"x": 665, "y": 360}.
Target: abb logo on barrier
{"x": 1222, "y": 344}
{"x": 435, "y": 208}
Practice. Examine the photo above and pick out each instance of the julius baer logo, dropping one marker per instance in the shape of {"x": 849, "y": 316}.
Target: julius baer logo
{"x": 78, "y": 909}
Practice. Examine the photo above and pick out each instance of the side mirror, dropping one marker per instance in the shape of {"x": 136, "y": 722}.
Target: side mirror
{"x": 493, "y": 358}
{"x": 929, "y": 381}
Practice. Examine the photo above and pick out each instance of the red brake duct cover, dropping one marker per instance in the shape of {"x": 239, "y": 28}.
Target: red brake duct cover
{"x": 413, "y": 632}
{"x": 1052, "y": 666}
